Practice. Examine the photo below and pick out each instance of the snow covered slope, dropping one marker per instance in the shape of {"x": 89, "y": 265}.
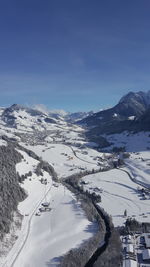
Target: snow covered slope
{"x": 139, "y": 166}
{"x": 118, "y": 194}
{"x": 27, "y": 119}
{"x": 50, "y": 235}
{"x": 131, "y": 142}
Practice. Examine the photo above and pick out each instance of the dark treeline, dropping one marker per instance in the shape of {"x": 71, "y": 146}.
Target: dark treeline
{"x": 78, "y": 257}
{"x": 133, "y": 226}
{"x": 10, "y": 191}
{"x": 43, "y": 165}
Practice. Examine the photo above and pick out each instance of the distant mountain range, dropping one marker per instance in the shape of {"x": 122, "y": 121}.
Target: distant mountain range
{"x": 76, "y": 116}
{"x": 19, "y": 116}
{"x": 132, "y": 113}
{"x": 68, "y": 116}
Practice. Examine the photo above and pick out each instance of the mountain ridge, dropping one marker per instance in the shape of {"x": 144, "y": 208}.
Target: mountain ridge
{"x": 127, "y": 111}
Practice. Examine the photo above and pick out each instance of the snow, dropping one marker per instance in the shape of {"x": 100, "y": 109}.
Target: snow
{"x": 3, "y": 143}
{"x": 48, "y": 139}
{"x": 63, "y": 228}
{"x": 59, "y": 112}
{"x": 119, "y": 193}
{"x": 129, "y": 263}
{"x": 138, "y": 165}
{"x": 44, "y": 238}
{"x": 63, "y": 159}
{"x": 27, "y": 164}
{"x": 132, "y": 142}
{"x": 131, "y": 118}
{"x": 9, "y": 132}
{"x": 25, "y": 122}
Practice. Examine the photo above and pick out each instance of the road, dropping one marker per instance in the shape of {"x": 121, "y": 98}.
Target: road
{"x": 79, "y": 157}
{"x": 27, "y": 233}
{"x": 74, "y": 153}
{"x": 133, "y": 179}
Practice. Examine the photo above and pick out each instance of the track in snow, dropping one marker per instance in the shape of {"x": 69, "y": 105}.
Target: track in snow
{"x": 28, "y": 231}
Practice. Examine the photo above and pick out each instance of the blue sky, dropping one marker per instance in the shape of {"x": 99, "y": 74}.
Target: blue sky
{"x": 73, "y": 54}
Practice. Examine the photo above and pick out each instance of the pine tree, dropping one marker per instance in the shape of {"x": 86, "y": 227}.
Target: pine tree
{"x": 125, "y": 213}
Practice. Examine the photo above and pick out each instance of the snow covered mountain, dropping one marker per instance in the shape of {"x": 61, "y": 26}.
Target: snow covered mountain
{"x": 37, "y": 118}
{"x": 126, "y": 115}
{"x": 130, "y": 114}
{"x": 62, "y": 114}
{"x": 139, "y": 98}
{"x": 24, "y": 118}
{"x": 68, "y": 116}
{"x": 76, "y": 116}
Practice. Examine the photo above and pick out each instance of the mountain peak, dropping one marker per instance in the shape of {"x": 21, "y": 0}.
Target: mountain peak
{"x": 142, "y": 97}
{"x": 16, "y": 107}
{"x": 118, "y": 118}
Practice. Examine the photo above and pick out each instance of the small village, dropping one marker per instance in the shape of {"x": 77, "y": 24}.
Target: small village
{"x": 136, "y": 250}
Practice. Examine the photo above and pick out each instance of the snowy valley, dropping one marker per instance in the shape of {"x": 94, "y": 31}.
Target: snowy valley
{"x": 52, "y": 219}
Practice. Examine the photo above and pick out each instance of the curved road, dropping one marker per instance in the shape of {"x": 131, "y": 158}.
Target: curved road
{"x": 79, "y": 157}
{"x": 54, "y": 143}
{"x": 133, "y": 179}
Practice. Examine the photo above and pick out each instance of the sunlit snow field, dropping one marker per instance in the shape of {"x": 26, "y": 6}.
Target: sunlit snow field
{"x": 119, "y": 193}
{"x": 44, "y": 238}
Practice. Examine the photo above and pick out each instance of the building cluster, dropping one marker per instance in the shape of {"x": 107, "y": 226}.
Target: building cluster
{"x": 136, "y": 250}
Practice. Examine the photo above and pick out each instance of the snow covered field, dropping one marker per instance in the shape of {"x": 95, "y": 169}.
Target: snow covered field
{"x": 119, "y": 193}
{"x": 139, "y": 166}
{"x": 27, "y": 164}
{"x": 132, "y": 142}
{"x": 63, "y": 159}
{"x": 53, "y": 233}
{"x": 42, "y": 239}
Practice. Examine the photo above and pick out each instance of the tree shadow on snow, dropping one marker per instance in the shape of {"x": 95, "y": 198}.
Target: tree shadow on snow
{"x": 54, "y": 262}
{"x": 91, "y": 228}
{"x": 123, "y": 185}
{"x": 73, "y": 201}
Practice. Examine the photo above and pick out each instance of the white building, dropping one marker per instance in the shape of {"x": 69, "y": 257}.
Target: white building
{"x": 129, "y": 248}
{"x": 147, "y": 239}
{"x": 129, "y": 263}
